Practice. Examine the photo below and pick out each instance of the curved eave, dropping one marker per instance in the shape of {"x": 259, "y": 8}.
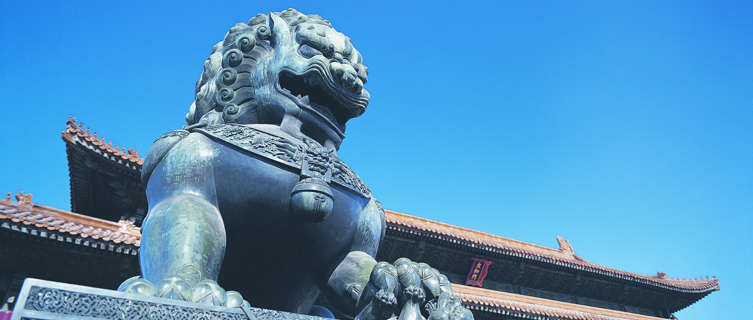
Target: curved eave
{"x": 498, "y": 245}
{"x": 527, "y": 307}
{"x": 75, "y": 134}
{"x": 55, "y": 224}
{"x": 90, "y": 162}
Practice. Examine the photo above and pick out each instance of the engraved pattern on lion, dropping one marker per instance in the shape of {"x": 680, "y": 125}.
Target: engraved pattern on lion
{"x": 249, "y": 79}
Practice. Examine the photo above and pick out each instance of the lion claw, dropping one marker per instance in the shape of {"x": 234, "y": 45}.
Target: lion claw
{"x": 174, "y": 288}
{"x": 205, "y": 291}
{"x": 386, "y": 297}
{"x": 137, "y": 285}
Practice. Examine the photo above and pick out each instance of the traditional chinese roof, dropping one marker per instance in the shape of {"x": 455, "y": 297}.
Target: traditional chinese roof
{"x": 92, "y": 193}
{"x": 75, "y": 133}
{"x": 527, "y": 307}
{"x": 105, "y": 180}
{"x": 565, "y": 256}
{"x": 55, "y": 224}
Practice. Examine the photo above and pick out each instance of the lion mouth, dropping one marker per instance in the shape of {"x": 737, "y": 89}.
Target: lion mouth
{"x": 309, "y": 90}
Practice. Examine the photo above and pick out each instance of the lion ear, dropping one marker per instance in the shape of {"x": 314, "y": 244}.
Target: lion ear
{"x": 191, "y": 115}
{"x": 280, "y": 31}
{"x": 271, "y": 22}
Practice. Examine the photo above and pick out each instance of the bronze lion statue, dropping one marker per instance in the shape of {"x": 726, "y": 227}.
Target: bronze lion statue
{"x": 251, "y": 193}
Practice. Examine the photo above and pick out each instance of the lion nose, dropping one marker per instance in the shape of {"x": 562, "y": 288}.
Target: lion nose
{"x": 363, "y": 72}
{"x": 347, "y": 76}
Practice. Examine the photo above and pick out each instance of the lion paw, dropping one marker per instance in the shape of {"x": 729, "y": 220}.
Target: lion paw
{"x": 204, "y": 292}
{"x": 413, "y": 291}
{"x": 137, "y": 285}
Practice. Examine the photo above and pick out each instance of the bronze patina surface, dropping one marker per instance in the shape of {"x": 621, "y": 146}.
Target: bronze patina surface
{"x": 251, "y": 194}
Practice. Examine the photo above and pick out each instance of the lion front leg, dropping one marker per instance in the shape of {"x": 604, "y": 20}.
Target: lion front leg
{"x": 183, "y": 237}
{"x": 183, "y": 244}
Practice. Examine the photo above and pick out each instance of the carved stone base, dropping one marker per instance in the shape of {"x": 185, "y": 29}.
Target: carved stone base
{"x": 40, "y": 299}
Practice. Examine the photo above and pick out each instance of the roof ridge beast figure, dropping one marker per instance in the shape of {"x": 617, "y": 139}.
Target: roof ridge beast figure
{"x": 253, "y": 184}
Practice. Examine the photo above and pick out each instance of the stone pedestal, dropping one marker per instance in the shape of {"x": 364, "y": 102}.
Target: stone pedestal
{"x": 40, "y": 299}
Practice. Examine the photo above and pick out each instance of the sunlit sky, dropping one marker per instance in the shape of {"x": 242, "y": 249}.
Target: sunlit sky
{"x": 623, "y": 126}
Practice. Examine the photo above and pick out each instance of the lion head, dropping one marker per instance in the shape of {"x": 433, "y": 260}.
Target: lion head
{"x": 283, "y": 63}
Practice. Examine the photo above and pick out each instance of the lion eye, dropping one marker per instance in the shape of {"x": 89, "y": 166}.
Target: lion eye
{"x": 308, "y": 51}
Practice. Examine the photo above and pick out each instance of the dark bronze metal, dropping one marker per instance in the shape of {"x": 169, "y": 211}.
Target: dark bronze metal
{"x": 251, "y": 194}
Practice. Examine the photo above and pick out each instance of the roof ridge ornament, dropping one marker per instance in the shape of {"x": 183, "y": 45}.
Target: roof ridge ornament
{"x": 75, "y": 132}
{"x": 565, "y": 245}
{"x": 23, "y": 199}
{"x": 128, "y": 226}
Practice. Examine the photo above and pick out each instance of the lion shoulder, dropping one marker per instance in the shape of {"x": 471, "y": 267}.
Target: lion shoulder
{"x": 158, "y": 150}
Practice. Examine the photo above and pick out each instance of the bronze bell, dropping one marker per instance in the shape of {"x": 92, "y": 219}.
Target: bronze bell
{"x": 311, "y": 199}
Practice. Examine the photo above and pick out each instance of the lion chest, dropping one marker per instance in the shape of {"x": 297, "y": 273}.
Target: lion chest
{"x": 255, "y": 173}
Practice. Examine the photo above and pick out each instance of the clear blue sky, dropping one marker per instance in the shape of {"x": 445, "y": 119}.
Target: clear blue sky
{"x": 623, "y": 126}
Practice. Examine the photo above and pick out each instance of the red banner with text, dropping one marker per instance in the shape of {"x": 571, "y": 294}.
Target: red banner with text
{"x": 478, "y": 271}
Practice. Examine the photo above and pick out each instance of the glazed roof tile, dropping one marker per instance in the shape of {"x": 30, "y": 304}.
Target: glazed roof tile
{"x": 22, "y": 216}
{"x": 529, "y": 307}
{"x": 564, "y": 256}
{"x": 75, "y": 133}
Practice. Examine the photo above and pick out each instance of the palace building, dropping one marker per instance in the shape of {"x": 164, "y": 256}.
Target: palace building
{"x": 497, "y": 278}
